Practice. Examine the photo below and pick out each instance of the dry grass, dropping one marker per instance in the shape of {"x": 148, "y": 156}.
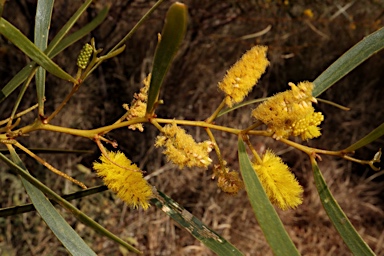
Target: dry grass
{"x": 299, "y": 49}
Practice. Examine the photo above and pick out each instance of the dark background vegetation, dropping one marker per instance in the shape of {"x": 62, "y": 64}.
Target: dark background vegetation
{"x": 300, "y": 48}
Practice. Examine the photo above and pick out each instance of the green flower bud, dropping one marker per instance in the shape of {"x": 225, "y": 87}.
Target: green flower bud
{"x": 85, "y": 53}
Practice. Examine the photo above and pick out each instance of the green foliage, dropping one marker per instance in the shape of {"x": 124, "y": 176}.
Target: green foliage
{"x": 350, "y": 60}
{"x": 62, "y": 230}
{"x": 171, "y": 37}
{"x": 266, "y": 215}
{"x": 24, "y": 44}
{"x": 372, "y": 136}
{"x": 179, "y": 146}
{"x": 193, "y": 225}
{"x": 338, "y": 217}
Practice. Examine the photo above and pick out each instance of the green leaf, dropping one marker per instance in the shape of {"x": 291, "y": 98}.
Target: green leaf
{"x": 10, "y": 211}
{"x": 62, "y": 45}
{"x": 171, "y": 37}
{"x": 137, "y": 25}
{"x": 348, "y": 61}
{"x": 25, "y": 45}
{"x": 338, "y": 218}
{"x": 372, "y": 136}
{"x": 68, "y": 25}
{"x": 64, "y": 203}
{"x": 194, "y": 226}
{"x": 16, "y": 81}
{"x": 75, "y": 36}
{"x": 62, "y": 230}
{"x": 269, "y": 221}
{"x": 129, "y": 34}
{"x": 42, "y": 24}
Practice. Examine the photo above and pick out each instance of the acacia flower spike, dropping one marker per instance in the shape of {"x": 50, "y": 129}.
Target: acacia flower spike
{"x": 228, "y": 181}
{"x": 128, "y": 183}
{"x": 242, "y": 76}
{"x": 139, "y": 105}
{"x": 291, "y": 113}
{"x": 182, "y": 149}
{"x": 279, "y": 183}
{"x": 105, "y": 153}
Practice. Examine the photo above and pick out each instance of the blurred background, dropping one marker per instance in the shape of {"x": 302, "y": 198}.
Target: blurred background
{"x": 303, "y": 37}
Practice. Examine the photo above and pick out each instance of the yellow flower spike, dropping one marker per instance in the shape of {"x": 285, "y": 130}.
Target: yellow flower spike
{"x": 182, "y": 149}
{"x": 279, "y": 183}
{"x": 242, "y": 76}
{"x": 128, "y": 183}
{"x": 139, "y": 105}
{"x": 291, "y": 113}
{"x": 307, "y": 127}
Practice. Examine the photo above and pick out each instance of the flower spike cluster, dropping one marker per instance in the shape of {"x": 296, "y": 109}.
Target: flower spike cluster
{"x": 138, "y": 105}
{"x": 182, "y": 149}
{"x": 291, "y": 113}
{"x": 242, "y": 76}
{"x": 128, "y": 182}
{"x": 278, "y": 182}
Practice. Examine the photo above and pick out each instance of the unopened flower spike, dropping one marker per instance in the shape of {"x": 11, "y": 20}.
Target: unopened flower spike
{"x": 291, "y": 113}
{"x": 128, "y": 183}
{"x": 279, "y": 183}
{"x": 242, "y": 76}
{"x": 85, "y": 54}
{"x": 182, "y": 149}
{"x": 138, "y": 105}
{"x": 228, "y": 181}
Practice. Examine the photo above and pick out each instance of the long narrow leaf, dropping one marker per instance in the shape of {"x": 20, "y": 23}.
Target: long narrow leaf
{"x": 348, "y": 61}
{"x": 269, "y": 221}
{"x": 62, "y": 230}
{"x": 64, "y": 203}
{"x": 10, "y": 211}
{"x": 75, "y": 36}
{"x": 20, "y": 77}
{"x": 17, "y": 80}
{"x": 42, "y": 25}
{"x": 171, "y": 37}
{"x": 338, "y": 218}
{"x": 193, "y": 225}
{"x": 65, "y": 29}
{"x": 25, "y": 45}
{"x": 372, "y": 136}
{"x": 121, "y": 43}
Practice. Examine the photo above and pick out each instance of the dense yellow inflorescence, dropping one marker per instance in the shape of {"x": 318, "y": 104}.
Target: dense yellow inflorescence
{"x": 307, "y": 127}
{"x": 125, "y": 179}
{"x": 182, "y": 149}
{"x": 291, "y": 113}
{"x": 242, "y": 76}
{"x": 279, "y": 183}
